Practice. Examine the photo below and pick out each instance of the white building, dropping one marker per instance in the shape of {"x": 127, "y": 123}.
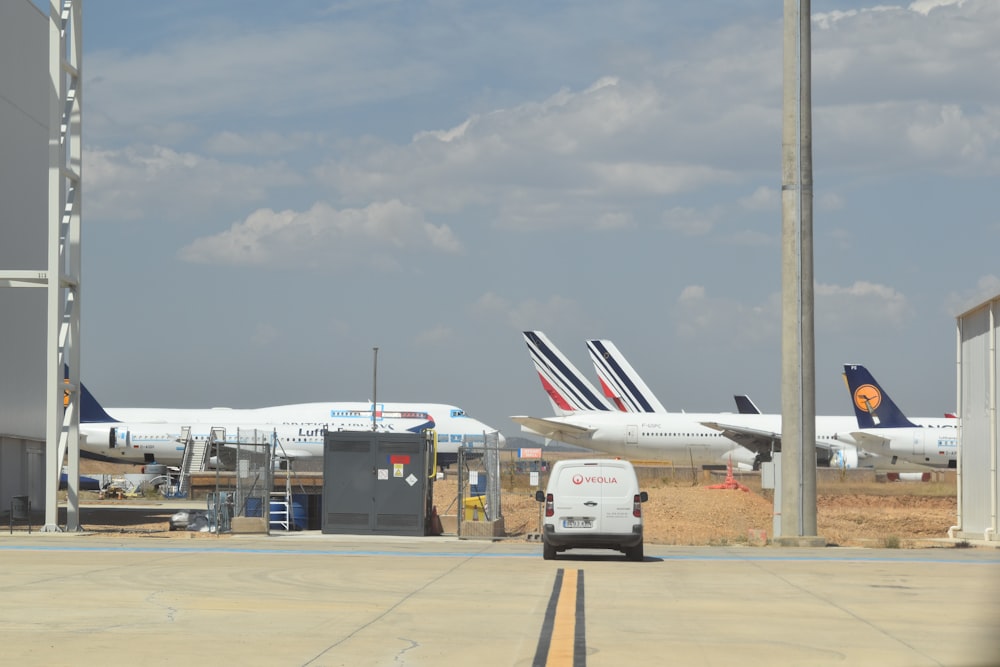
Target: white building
{"x": 978, "y": 404}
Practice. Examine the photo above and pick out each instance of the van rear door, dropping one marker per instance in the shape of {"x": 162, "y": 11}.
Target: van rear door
{"x": 578, "y": 499}
{"x": 595, "y": 497}
{"x": 618, "y": 489}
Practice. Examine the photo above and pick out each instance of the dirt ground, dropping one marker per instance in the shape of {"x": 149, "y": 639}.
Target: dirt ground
{"x": 679, "y": 512}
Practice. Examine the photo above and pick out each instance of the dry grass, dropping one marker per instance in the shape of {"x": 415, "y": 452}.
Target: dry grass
{"x": 852, "y": 509}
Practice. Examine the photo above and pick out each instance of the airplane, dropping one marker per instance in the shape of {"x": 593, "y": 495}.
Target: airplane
{"x": 882, "y": 426}
{"x": 760, "y": 434}
{"x": 145, "y": 435}
{"x": 626, "y": 389}
{"x": 620, "y": 381}
{"x": 585, "y": 419}
{"x": 745, "y": 406}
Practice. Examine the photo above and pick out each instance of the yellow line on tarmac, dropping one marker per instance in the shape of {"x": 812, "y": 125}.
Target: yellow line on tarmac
{"x": 563, "y": 639}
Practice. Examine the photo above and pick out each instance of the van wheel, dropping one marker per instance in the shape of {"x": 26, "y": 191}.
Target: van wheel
{"x": 548, "y": 551}
{"x": 634, "y": 553}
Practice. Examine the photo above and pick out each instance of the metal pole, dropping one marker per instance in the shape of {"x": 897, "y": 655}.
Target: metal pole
{"x": 374, "y": 387}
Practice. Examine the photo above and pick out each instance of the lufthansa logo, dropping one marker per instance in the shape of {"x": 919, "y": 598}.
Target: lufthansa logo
{"x": 867, "y": 397}
{"x": 578, "y": 479}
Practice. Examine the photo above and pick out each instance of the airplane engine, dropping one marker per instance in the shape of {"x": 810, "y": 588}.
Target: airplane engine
{"x": 119, "y": 438}
{"x": 846, "y": 458}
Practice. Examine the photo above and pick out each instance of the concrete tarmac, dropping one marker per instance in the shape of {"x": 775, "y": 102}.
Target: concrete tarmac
{"x": 323, "y": 600}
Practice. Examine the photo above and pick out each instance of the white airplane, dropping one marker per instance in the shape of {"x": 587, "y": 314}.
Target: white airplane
{"x": 619, "y": 381}
{"x": 754, "y": 431}
{"x": 585, "y": 419}
{"x": 626, "y": 389}
{"x": 882, "y": 427}
{"x": 145, "y": 435}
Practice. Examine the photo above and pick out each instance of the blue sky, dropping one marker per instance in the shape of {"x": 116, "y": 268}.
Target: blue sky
{"x": 273, "y": 189}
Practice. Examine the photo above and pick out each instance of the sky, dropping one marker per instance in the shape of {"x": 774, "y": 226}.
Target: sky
{"x": 272, "y": 190}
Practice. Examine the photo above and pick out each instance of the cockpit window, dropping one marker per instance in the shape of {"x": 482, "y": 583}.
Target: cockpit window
{"x": 455, "y": 412}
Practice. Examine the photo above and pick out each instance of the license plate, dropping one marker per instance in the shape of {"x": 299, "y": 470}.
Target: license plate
{"x": 578, "y": 523}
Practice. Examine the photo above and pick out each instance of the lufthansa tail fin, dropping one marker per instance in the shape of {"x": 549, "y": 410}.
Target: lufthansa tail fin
{"x": 872, "y": 405}
{"x": 568, "y": 390}
{"x": 620, "y": 382}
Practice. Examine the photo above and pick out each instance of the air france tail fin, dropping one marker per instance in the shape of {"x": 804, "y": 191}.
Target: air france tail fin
{"x": 872, "y": 405}
{"x": 568, "y": 390}
{"x": 620, "y": 382}
{"x": 745, "y": 406}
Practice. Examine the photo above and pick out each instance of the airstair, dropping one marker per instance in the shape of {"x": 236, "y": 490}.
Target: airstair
{"x": 196, "y": 455}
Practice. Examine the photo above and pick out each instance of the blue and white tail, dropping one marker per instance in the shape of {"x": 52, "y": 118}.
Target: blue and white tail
{"x": 872, "y": 405}
{"x": 745, "y": 406}
{"x": 90, "y": 410}
{"x": 567, "y": 389}
{"x": 619, "y": 381}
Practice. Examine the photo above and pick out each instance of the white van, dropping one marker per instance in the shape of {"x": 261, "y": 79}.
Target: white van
{"x": 592, "y": 503}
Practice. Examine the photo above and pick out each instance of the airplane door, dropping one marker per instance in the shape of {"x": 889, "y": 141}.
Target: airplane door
{"x": 631, "y": 435}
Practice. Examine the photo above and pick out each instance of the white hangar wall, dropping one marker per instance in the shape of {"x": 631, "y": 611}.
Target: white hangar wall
{"x": 978, "y": 403}
{"x": 24, "y": 132}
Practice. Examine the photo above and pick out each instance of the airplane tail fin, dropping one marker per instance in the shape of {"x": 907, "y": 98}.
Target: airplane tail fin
{"x": 90, "y": 409}
{"x": 872, "y": 405}
{"x": 745, "y": 406}
{"x": 568, "y": 390}
{"x": 620, "y": 382}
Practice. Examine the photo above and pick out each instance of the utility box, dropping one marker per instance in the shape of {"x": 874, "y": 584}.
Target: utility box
{"x": 378, "y": 483}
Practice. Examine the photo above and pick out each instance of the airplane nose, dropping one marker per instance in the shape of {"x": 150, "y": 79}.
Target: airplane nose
{"x": 501, "y": 441}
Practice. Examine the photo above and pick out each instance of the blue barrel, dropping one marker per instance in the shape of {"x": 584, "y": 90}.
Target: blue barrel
{"x": 253, "y": 506}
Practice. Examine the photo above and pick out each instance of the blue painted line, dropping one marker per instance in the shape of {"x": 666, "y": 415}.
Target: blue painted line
{"x": 916, "y": 558}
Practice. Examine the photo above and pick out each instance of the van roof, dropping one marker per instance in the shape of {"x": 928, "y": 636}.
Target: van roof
{"x": 594, "y": 462}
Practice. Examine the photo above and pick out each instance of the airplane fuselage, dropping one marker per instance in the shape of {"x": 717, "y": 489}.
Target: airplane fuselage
{"x": 143, "y": 435}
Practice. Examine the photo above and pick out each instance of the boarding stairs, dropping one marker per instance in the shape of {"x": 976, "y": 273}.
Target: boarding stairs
{"x": 195, "y": 455}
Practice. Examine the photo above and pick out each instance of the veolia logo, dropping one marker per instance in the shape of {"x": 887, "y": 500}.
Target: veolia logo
{"x": 867, "y": 397}
{"x": 594, "y": 479}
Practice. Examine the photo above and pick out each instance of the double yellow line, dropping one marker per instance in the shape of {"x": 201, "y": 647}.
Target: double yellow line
{"x": 564, "y": 634}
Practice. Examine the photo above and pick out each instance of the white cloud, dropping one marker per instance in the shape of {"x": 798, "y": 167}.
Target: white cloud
{"x": 764, "y": 198}
{"x": 160, "y": 183}
{"x": 925, "y": 7}
{"x": 325, "y": 238}
{"x": 987, "y": 287}
{"x": 838, "y": 309}
{"x": 858, "y": 306}
{"x": 260, "y": 143}
{"x": 699, "y": 316}
{"x": 556, "y": 312}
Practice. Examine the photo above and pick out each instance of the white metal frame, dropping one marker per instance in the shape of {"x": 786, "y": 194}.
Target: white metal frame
{"x": 61, "y": 277}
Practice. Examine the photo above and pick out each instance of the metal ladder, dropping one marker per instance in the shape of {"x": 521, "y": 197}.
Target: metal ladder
{"x": 195, "y": 454}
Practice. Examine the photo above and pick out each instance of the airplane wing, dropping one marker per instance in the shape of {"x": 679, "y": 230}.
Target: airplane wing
{"x": 870, "y": 441}
{"x": 553, "y": 430}
{"x": 294, "y": 453}
{"x": 763, "y": 442}
{"x": 757, "y": 441}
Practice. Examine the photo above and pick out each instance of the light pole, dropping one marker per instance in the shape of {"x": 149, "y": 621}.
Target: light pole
{"x": 374, "y": 386}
